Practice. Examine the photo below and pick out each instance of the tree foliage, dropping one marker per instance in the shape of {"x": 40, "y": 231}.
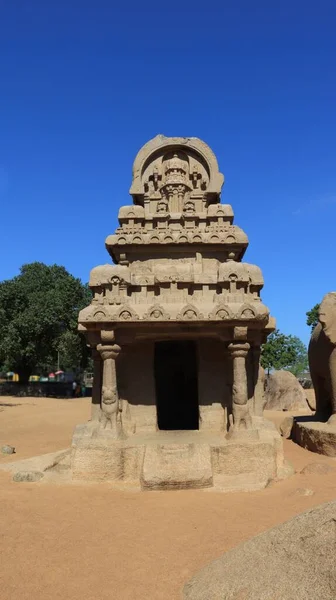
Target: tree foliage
{"x": 312, "y": 316}
{"x": 284, "y": 352}
{"x": 38, "y": 318}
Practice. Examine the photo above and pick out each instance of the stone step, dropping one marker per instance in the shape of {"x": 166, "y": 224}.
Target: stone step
{"x": 177, "y": 466}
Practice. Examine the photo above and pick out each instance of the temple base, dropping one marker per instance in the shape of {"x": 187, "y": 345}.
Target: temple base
{"x": 166, "y": 460}
{"x": 315, "y": 436}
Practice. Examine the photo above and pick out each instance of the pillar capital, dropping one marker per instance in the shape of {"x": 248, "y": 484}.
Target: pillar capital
{"x": 238, "y": 349}
{"x": 109, "y": 351}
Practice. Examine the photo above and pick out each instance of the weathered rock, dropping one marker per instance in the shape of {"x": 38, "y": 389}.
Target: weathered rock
{"x": 30, "y": 476}
{"x": 315, "y": 436}
{"x": 294, "y": 561}
{"x": 8, "y": 449}
{"x": 286, "y": 427}
{"x": 284, "y": 392}
{"x": 318, "y": 469}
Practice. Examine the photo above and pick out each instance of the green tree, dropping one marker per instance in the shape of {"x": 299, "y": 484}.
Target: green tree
{"x": 38, "y": 318}
{"x": 312, "y": 316}
{"x": 284, "y": 352}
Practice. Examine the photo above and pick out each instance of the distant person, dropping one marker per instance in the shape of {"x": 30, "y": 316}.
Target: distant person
{"x": 74, "y": 387}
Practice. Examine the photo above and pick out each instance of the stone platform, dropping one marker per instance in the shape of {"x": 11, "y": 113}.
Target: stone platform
{"x": 165, "y": 460}
{"x": 316, "y": 436}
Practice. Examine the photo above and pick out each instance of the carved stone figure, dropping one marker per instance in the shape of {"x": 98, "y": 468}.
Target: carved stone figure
{"x": 109, "y": 409}
{"x": 322, "y": 359}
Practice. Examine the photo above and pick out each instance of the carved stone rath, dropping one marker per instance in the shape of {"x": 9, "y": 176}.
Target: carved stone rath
{"x": 110, "y": 407}
{"x": 187, "y": 312}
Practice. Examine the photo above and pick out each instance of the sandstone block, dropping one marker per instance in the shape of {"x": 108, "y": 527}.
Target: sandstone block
{"x": 316, "y": 436}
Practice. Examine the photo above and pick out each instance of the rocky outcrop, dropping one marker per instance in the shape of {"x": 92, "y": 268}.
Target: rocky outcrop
{"x": 294, "y": 561}
{"x": 284, "y": 392}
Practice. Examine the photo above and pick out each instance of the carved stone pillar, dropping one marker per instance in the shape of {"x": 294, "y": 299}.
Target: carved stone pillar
{"x": 110, "y": 406}
{"x": 97, "y": 385}
{"x": 240, "y": 409}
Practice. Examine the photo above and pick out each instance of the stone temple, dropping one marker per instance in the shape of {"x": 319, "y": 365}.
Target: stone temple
{"x": 175, "y": 325}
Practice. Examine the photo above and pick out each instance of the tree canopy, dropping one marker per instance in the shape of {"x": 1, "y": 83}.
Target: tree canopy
{"x": 312, "y": 316}
{"x": 38, "y": 318}
{"x": 284, "y": 352}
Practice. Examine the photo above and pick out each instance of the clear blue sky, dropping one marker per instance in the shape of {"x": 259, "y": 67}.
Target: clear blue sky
{"x": 85, "y": 84}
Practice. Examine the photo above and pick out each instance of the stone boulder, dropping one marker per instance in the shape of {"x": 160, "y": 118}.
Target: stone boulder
{"x": 8, "y": 449}
{"x": 30, "y": 476}
{"x": 294, "y": 561}
{"x": 284, "y": 392}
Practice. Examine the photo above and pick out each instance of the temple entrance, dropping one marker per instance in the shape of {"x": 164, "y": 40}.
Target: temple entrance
{"x": 176, "y": 373}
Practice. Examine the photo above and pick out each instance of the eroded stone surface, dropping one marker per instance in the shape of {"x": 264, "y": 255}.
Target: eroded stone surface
{"x": 294, "y": 561}
{"x": 315, "y": 436}
{"x": 286, "y": 427}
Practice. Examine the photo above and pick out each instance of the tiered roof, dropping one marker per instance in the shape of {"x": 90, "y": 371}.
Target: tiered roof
{"x": 177, "y": 250}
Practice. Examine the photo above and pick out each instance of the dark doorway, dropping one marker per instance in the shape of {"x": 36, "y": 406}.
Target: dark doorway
{"x": 175, "y": 368}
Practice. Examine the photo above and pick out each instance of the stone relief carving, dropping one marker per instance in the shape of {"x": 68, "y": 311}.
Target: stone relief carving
{"x": 175, "y": 161}
{"x": 221, "y": 312}
{"x": 109, "y": 408}
{"x": 126, "y": 313}
{"x": 190, "y": 313}
{"x": 176, "y": 189}
{"x": 156, "y": 313}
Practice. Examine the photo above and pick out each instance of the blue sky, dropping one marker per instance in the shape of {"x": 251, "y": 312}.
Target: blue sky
{"x": 83, "y": 85}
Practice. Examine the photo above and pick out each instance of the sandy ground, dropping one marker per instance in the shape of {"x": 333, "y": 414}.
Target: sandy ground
{"x": 92, "y": 543}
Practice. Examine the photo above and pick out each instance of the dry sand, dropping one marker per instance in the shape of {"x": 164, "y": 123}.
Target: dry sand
{"x": 93, "y": 543}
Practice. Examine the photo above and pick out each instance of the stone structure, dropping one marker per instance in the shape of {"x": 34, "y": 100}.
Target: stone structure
{"x": 318, "y": 434}
{"x": 322, "y": 359}
{"x": 176, "y": 326}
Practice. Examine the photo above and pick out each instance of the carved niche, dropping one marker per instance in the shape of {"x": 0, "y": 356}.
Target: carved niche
{"x": 166, "y": 177}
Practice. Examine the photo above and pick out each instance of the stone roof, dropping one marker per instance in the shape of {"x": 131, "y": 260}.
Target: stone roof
{"x": 177, "y": 250}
